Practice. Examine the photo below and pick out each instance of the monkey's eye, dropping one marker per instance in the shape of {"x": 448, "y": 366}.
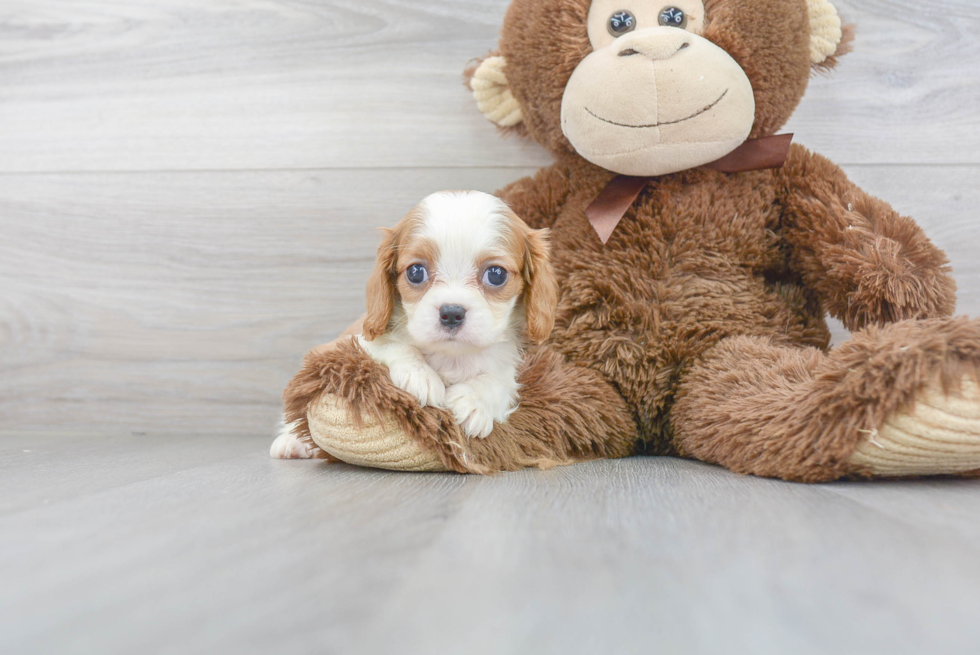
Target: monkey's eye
{"x": 416, "y": 274}
{"x": 621, "y": 22}
{"x": 495, "y": 276}
{"x": 673, "y": 17}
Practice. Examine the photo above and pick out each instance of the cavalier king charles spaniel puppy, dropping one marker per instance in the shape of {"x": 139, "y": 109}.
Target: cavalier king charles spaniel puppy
{"x": 460, "y": 284}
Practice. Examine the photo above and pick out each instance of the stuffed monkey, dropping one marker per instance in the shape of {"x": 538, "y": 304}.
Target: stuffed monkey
{"x": 698, "y": 253}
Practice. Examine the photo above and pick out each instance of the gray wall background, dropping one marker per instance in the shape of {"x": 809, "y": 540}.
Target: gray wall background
{"x": 188, "y": 189}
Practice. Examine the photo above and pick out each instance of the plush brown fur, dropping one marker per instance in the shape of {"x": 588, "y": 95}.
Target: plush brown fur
{"x": 702, "y": 256}
{"x": 868, "y": 264}
{"x": 544, "y": 40}
{"x": 566, "y": 414}
{"x": 756, "y": 407}
{"x": 699, "y": 327}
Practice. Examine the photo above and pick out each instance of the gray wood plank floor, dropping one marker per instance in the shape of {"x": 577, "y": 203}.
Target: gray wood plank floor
{"x": 188, "y": 192}
{"x": 203, "y": 544}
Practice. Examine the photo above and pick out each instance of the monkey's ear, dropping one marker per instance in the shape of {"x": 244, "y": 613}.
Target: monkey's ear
{"x": 829, "y": 39}
{"x": 488, "y": 82}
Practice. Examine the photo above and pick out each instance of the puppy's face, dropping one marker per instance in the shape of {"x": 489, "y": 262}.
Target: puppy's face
{"x": 460, "y": 265}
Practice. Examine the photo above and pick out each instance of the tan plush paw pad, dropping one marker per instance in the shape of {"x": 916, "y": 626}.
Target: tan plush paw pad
{"x": 940, "y": 435}
{"x": 375, "y": 444}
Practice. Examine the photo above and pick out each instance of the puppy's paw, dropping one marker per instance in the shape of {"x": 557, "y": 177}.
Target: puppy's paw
{"x": 421, "y": 381}
{"x": 288, "y": 446}
{"x": 472, "y": 412}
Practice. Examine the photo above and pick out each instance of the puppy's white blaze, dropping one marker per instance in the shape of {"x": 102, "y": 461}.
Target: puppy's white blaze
{"x": 464, "y": 224}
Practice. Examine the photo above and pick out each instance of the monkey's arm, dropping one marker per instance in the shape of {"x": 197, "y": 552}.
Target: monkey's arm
{"x": 868, "y": 264}
{"x": 538, "y": 198}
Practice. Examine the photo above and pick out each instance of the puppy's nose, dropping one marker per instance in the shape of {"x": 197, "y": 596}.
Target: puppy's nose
{"x": 452, "y": 315}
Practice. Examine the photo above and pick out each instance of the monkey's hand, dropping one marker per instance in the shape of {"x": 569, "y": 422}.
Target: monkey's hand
{"x": 881, "y": 279}
{"x": 868, "y": 264}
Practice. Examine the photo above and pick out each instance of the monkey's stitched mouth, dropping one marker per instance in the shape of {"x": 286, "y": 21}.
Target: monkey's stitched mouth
{"x": 681, "y": 120}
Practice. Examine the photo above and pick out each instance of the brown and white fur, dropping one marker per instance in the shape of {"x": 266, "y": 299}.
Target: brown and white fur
{"x": 465, "y": 361}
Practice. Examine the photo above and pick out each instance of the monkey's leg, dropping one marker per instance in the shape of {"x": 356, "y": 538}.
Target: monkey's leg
{"x": 293, "y": 440}
{"x": 901, "y": 400}
{"x": 346, "y": 403}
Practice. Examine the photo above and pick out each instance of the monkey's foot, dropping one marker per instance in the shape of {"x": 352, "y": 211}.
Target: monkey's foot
{"x": 374, "y": 443}
{"x": 938, "y": 435}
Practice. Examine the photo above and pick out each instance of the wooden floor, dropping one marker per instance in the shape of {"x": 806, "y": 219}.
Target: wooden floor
{"x": 202, "y": 544}
{"x": 188, "y": 192}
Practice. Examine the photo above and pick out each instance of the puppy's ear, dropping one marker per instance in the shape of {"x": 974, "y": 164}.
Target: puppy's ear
{"x": 541, "y": 287}
{"x": 381, "y": 287}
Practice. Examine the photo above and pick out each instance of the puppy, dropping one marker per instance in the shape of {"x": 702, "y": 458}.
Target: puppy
{"x": 460, "y": 284}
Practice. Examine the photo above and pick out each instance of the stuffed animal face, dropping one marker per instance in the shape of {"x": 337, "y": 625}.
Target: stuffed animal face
{"x": 650, "y": 87}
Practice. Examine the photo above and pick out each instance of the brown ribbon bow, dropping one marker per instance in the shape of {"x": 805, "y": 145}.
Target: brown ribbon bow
{"x": 608, "y": 209}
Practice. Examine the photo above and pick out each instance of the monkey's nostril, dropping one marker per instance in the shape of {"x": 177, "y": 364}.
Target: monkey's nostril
{"x": 629, "y": 52}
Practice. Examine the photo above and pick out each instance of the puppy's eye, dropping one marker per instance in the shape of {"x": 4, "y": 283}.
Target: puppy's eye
{"x": 495, "y": 276}
{"x": 416, "y": 274}
{"x": 673, "y": 17}
{"x": 621, "y": 22}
